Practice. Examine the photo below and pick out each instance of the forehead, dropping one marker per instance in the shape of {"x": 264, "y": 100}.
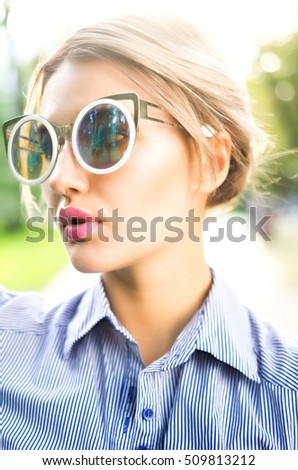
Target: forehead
{"x": 76, "y": 84}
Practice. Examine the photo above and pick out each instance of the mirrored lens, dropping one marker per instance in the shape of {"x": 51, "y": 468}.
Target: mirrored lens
{"x": 32, "y": 150}
{"x": 103, "y": 136}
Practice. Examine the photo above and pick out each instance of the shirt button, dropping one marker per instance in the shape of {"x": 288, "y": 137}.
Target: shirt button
{"x": 142, "y": 448}
{"x": 147, "y": 414}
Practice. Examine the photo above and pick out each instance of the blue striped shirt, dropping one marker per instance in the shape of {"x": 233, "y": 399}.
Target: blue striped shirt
{"x": 72, "y": 378}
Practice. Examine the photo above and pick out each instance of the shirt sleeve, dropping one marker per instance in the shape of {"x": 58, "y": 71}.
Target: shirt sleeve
{"x": 19, "y": 310}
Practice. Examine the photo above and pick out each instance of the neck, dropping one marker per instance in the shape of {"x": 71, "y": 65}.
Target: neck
{"x": 155, "y": 300}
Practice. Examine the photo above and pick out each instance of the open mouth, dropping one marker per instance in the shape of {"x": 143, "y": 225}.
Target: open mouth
{"x": 77, "y": 221}
{"x": 76, "y": 224}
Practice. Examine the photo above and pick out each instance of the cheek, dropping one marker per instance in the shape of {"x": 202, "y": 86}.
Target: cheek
{"x": 159, "y": 174}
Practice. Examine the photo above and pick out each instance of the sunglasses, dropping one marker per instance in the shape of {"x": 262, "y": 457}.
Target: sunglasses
{"x": 102, "y": 137}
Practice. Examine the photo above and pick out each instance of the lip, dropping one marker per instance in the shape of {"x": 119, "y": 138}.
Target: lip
{"x": 77, "y": 225}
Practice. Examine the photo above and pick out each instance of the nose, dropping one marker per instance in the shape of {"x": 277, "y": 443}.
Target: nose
{"x": 68, "y": 176}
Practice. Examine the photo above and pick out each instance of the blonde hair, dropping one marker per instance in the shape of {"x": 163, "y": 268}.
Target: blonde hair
{"x": 188, "y": 78}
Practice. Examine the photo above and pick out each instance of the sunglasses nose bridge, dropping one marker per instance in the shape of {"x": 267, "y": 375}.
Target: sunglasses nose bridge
{"x": 63, "y": 133}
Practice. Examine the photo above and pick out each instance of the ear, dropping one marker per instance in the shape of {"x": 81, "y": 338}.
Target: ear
{"x": 214, "y": 172}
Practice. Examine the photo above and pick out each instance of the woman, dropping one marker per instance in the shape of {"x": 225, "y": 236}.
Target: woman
{"x": 137, "y": 130}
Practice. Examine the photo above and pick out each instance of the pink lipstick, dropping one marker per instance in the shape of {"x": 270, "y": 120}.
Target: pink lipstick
{"x": 77, "y": 224}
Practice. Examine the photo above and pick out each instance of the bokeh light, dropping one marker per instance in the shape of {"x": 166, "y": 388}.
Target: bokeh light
{"x": 285, "y": 91}
{"x": 270, "y": 62}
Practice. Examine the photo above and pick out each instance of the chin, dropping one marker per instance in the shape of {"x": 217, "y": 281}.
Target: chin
{"x": 100, "y": 257}
{"x": 85, "y": 265}
{"x": 89, "y": 259}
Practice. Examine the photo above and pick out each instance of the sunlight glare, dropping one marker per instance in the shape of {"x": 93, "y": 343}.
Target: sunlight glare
{"x": 235, "y": 27}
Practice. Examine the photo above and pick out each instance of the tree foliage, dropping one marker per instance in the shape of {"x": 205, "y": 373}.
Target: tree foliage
{"x": 13, "y": 79}
{"x": 274, "y": 87}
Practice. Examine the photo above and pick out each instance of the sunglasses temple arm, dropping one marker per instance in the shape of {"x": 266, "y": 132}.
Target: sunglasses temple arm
{"x": 144, "y": 105}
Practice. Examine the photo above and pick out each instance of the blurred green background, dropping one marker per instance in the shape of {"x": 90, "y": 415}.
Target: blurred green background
{"x": 273, "y": 85}
{"x": 23, "y": 265}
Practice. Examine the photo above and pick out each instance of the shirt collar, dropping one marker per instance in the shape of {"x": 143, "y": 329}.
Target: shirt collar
{"x": 94, "y": 306}
{"x": 221, "y": 327}
{"x": 225, "y": 330}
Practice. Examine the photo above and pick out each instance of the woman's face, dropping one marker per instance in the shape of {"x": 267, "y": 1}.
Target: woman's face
{"x": 154, "y": 185}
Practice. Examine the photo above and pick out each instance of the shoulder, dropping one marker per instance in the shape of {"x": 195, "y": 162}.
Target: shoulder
{"x": 277, "y": 353}
{"x": 32, "y": 311}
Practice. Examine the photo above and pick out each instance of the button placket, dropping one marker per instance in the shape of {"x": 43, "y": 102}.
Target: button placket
{"x": 124, "y": 428}
{"x": 146, "y": 411}
{"x": 146, "y": 397}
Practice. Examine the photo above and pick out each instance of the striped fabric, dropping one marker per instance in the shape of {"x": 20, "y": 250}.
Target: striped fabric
{"x": 72, "y": 378}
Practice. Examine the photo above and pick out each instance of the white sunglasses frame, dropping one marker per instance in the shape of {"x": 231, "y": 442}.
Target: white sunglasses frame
{"x": 73, "y": 129}
{"x": 140, "y": 110}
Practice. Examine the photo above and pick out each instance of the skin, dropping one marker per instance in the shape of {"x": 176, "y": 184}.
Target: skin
{"x": 154, "y": 288}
